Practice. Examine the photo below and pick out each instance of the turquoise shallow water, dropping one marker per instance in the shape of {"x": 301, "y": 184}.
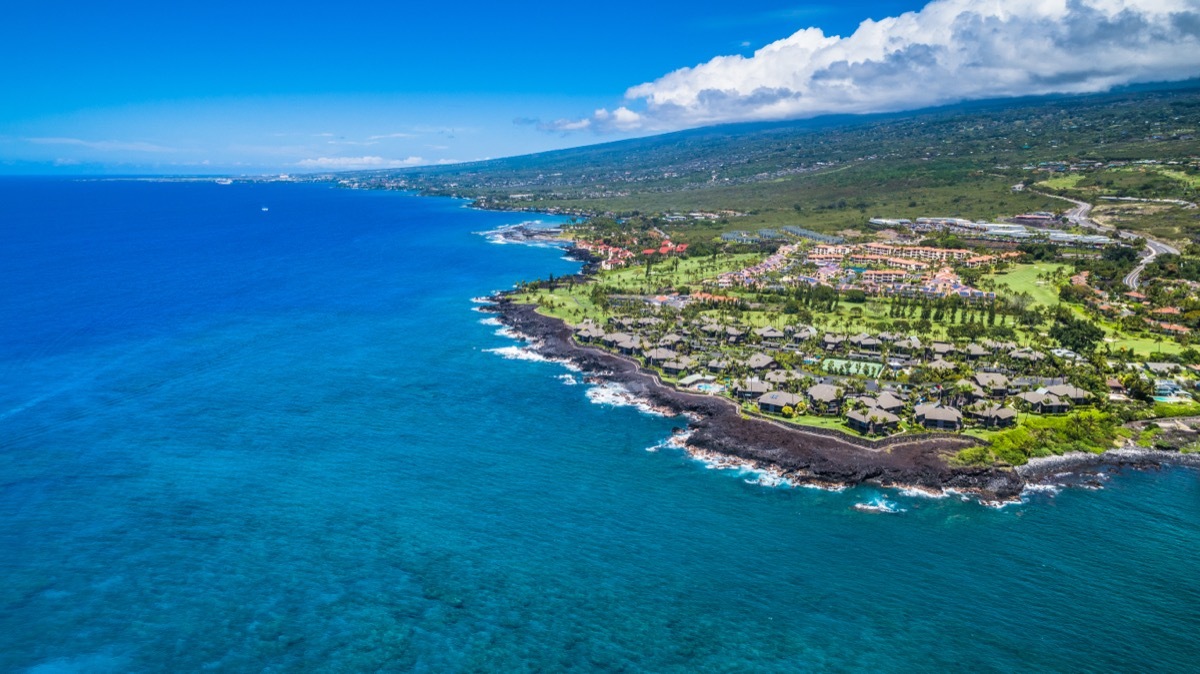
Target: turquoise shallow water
{"x": 245, "y": 440}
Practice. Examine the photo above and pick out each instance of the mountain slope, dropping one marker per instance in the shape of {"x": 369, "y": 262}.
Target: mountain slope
{"x": 958, "y": 161}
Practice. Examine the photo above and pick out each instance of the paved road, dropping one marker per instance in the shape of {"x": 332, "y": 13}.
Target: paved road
{"x": 1153, "y": 250}
{"x": 1079, "y": 216}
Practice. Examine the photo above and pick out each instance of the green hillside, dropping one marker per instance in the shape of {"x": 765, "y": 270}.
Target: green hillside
{"x": 834, "y": 172}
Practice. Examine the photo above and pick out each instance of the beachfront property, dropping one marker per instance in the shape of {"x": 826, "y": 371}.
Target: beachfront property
{"x": 609, "y": 257}
{"x": 797, "y": 374}
{"x": 873, "y": 421}
{"x": 774, "y": 402}
{"x": 876, "y": 381}
{"x": 993, "y": 415}
{"x": 935, "y": 416}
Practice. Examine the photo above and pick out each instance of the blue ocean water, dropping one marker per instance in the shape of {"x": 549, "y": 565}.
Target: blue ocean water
{"x": 238, "y": 439}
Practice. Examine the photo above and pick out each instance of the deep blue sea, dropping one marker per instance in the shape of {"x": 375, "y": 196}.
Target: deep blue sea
{"x": 259, "y": 427}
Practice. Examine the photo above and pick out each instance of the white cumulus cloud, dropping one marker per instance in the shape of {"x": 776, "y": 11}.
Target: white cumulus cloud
{"x": 950, "y": 50}
{"x": 354, "y": 163}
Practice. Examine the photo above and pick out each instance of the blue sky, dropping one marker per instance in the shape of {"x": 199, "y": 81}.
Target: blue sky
{"x": 263, "y": 86}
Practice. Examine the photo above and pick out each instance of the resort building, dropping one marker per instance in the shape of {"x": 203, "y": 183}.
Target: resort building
{"x": 775, "y": 401}
{"x": 938, "y": 417}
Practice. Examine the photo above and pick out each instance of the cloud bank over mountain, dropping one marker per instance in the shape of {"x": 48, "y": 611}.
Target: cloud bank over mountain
{"x": 951, "y": 50}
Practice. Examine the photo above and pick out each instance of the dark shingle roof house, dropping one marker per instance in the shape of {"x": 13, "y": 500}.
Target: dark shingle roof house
{"x": 759, "y": 361}
{"x": 871, "y": 419}
{"x": 937, "y": 416}
{"x": 661, "y": 354}
{"x": 993, "y": 382}
{"x": 752, "y": 387}
{"x": 825, "y": 393}
{"x": 779, "y": 400}
{"x": 1069, "y": 391}
{"x": 975, "y": 351}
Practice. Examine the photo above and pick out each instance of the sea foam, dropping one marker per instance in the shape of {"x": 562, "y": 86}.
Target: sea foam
{"x": 615, "y": 395}
{"x": 518, "y": 353}
{"x": 879, "y": 505}
{"x": 922, "y": 492}
{"x": 677, "y": 441}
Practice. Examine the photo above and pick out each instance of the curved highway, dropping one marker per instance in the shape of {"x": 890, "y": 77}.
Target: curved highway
{"x": 1079, "y": 216}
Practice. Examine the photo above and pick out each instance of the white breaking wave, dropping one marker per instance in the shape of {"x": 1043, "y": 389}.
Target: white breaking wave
{"x": 749, "y": 472}
{"x": 835, "y": 488}
{"x": 765, "y": 478}
{"x": 518, "y": 353}
{"x": 1050, "y": 489}
{"x": 490, "y": 320}
{"x": 567, "y": 379}
{"x": 615, "y": 395}
{"x": 879, "y": 505}
{"x": 677, "y": 441}
{"x": 919, "y": 492}
{"x": 499, "y": 236}
{"x": 954, "y": 492}
{"x": 509, "y": 333}
{"x": 523, "y": 352}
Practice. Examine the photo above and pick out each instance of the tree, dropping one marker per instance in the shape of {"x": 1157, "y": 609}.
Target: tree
{"x": 1138, "y": 388}
{"x": 1077, "y": 334}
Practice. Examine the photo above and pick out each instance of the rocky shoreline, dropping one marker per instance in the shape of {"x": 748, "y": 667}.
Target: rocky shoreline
{"x": 531, "y": 232}
{"x": 1043, "y": 469}
{"x": 721, "y": 436}
{"x": 718, "y": 431}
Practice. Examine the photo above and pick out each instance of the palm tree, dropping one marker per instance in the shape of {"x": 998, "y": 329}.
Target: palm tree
{"x": 962, "y": 391}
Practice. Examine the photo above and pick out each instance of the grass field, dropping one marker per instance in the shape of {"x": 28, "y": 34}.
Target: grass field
{"x": 677, "y": 272}
{"x": 1024, "y": 278}
{"x": 1142, "y": 345}
{"x": 1191, "y": 180}
{"x": 1066, "y": 182}
{"x": 574, "y": 304}
{"x": 989, "y": 433}
{"x": 571, "y": 306}
{"x": 814, "y": 421}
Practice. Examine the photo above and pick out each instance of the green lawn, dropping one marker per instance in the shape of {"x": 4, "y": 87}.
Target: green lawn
{"x": 1024, "y": 278}
{"x": 989, "y": 433}
{"x": 1145, "y": 345}
{"x": 834, "y": 423}
{"x": 575, "y": 304}
{"x": 688, "y": 272}
{"x": 572, "y": 306}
